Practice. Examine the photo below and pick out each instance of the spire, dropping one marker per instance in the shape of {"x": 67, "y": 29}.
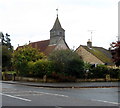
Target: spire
{"x": 56, "y": 32}
{"x": 57, "y": 24}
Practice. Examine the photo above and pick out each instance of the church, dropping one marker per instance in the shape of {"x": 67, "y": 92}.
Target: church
{"x": 89, "y": 53}
{"x": 56, "y": 41}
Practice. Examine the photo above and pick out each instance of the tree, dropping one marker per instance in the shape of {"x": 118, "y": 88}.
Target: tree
{"x": 6, "y": 41}
{"x": 22, "y": 56}
{"x": 6, "y": 58}
{"x": 7, "y": 50}
{"x": 67, "y": 62}
{"x": 115, "y": 51}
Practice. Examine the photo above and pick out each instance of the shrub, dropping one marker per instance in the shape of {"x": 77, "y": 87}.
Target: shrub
{"x": 31, "y": 69}
{"x": 98, "y": 72}
{"x": 22, "y": 56}
{"x": 62, "y": 78}
{"x": 114, "y": 73}
{"x": 75, "y": 67}
{"x": 67, "y": 63}
{"x": 40, "y": 68}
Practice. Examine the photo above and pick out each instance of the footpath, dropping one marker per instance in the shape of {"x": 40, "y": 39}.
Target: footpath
{"x": 67, "y": 85}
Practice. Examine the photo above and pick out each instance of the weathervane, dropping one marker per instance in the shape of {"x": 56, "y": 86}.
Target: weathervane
{"x": 57, "y": 11}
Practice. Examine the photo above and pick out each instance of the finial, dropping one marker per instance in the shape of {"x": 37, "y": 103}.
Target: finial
{"x": 57, "y": 11}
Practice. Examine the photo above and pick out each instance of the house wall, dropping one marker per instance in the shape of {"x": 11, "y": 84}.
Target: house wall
{"x": 87, "y": 56}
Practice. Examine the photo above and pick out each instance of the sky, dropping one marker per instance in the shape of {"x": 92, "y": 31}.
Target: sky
{"x": 31, "y": 20}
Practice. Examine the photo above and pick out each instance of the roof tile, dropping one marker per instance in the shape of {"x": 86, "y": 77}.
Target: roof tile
{"x": 41, "y": 45}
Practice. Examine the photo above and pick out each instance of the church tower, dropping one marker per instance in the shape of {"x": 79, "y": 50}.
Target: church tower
{"x": 57, "y": 32}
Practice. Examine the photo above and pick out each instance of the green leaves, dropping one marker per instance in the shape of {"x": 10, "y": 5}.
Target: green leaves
{"x": 6, "y": 58}
{"x": 67, "y": 62}
{"x": 41, "y": 67}
{"x": 6, "y": 51}
{"x": 22, "y": 56}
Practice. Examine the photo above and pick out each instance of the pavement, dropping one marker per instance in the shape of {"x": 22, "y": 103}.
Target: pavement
{"x": 67, "y": 85}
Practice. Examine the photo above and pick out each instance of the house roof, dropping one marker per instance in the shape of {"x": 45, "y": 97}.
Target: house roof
{"x": 101, "y": 53}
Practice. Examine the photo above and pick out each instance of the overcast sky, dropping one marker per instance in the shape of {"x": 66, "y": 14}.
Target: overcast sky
{"x": 31, "y": 20}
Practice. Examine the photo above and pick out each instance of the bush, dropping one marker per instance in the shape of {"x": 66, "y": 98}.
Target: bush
{"x": 40, "y": 68}
{"x": 30, "y": 68}
{"x": 22, "y": 56}
{"x": 23, "y": 69}
{"x": 62, "y": 78}
{"x": 98, "y": 72}
{"x": 67, "y": 63}
{"x": 75, "y": 67}
{"x": 114, "y": 73}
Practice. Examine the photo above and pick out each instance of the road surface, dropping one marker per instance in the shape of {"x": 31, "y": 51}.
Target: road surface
{"x": 21, "y": 95}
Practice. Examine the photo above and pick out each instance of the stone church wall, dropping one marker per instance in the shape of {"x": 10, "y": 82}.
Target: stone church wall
{"x": 61, "y": 45}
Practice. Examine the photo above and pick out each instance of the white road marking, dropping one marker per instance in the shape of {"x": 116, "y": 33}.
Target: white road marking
{"x": 15, "y": 97}
{"x": 105, "y": 101}
{"x": 29, "y": 95}
{"x": 52, "y": 94}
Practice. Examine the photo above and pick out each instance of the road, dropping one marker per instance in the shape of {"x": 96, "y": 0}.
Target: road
{"x": 21, "y": 95}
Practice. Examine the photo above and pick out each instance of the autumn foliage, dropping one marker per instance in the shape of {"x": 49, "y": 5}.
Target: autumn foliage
{"x": 115, "y": 51}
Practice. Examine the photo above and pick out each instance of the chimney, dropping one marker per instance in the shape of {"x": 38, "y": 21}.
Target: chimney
{"x": 89, "y": 44}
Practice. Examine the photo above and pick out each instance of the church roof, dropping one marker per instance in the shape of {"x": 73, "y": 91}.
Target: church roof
{"x": 49, "y": 49}
{"x": 57, "y": 25}
{"x": 41, "y": 45}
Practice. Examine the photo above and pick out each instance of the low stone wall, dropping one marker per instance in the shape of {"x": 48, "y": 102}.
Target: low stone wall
{"x": 7, "y": 77}
{"x": 34, "y": 79}
{"x": 45, "y": 79}
{"x": 52, "y": 80}
{"x": 97, "y": 80}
